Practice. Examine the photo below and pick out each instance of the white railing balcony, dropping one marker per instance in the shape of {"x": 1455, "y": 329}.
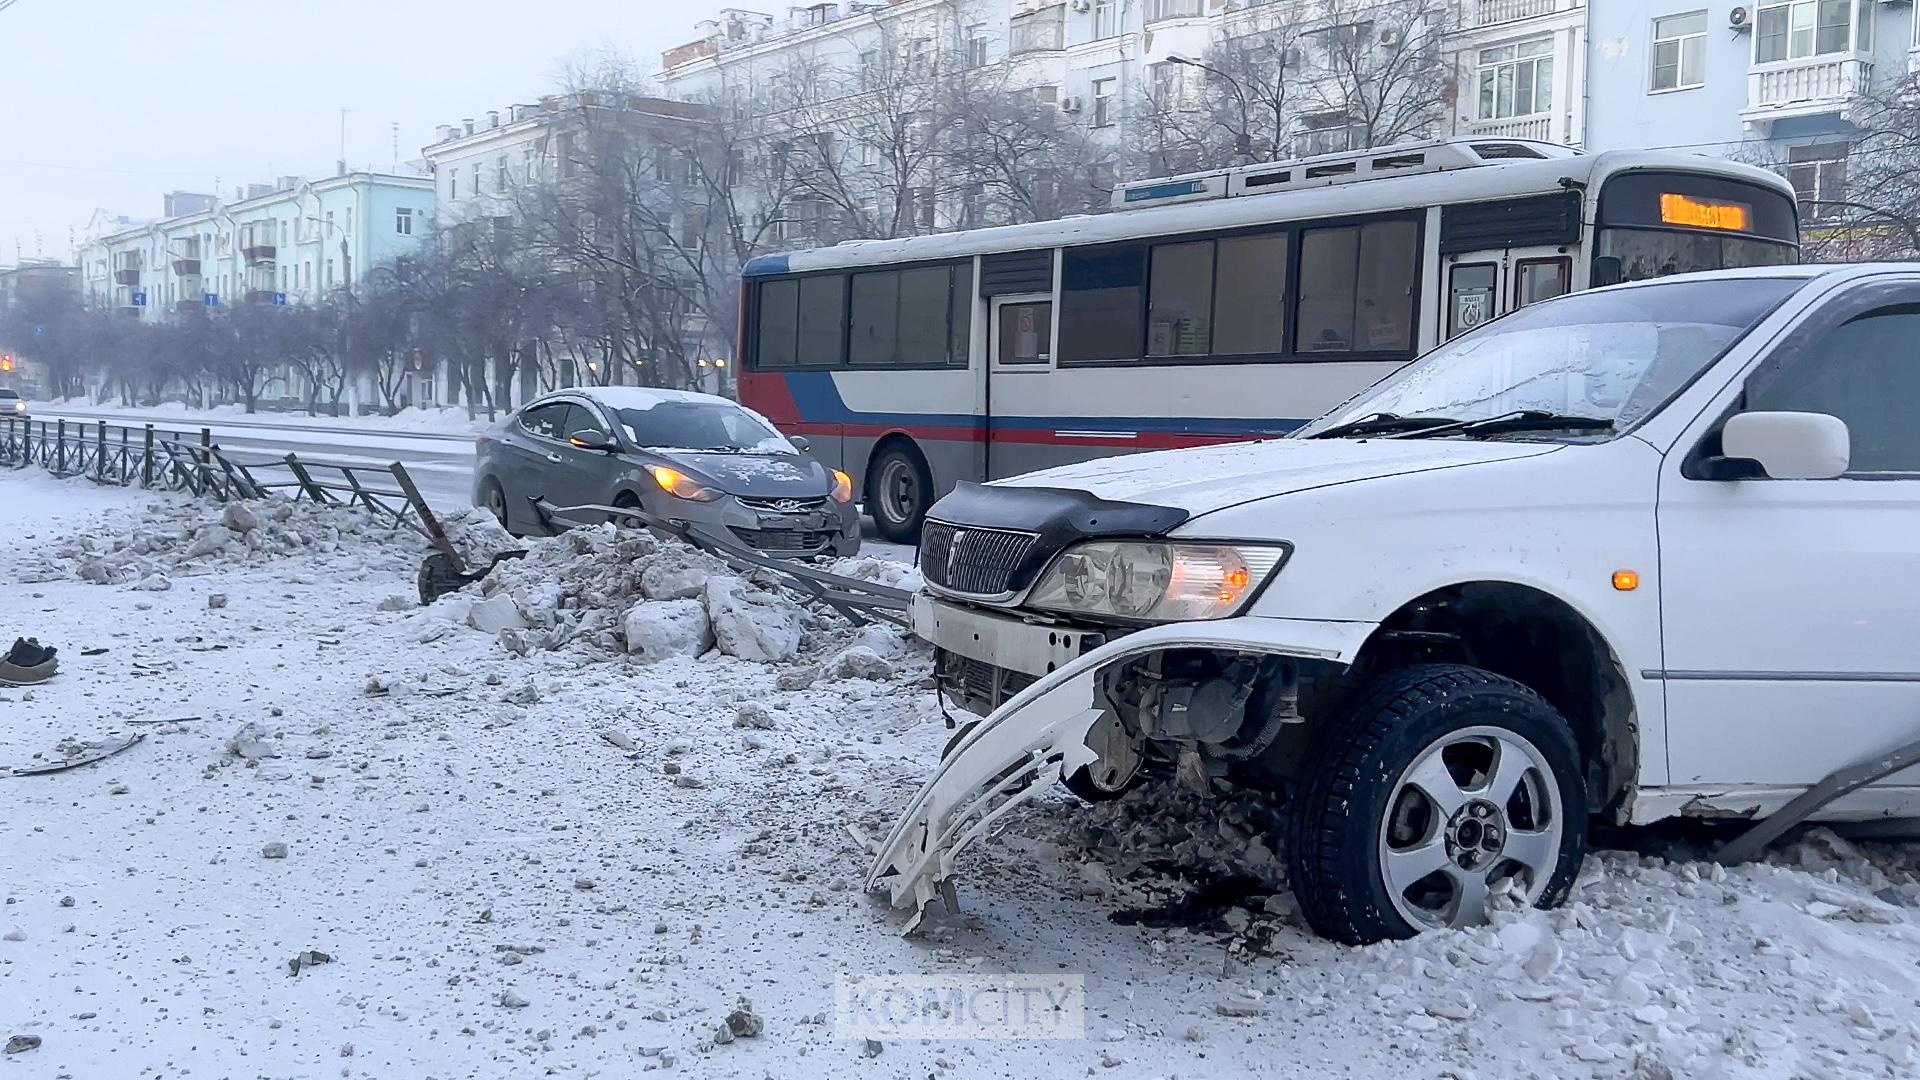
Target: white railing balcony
{"x": 1516, "y": 127}
{"x": 1492, "y": 12}
{"x": 1806, "y": 87}
{"x": 1158, "y": 10}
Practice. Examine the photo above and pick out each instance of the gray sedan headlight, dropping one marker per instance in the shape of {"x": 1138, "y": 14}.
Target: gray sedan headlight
{"x": 1155, "y": 582}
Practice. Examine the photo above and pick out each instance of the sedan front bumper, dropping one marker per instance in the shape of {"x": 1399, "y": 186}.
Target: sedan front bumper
{"x": 1040, "y": 735}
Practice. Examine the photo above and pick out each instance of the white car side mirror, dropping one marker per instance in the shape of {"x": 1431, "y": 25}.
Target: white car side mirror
{"x": 1789, "y": 445}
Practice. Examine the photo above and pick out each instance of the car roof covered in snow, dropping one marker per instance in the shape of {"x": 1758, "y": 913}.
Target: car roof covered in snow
{"x": 636, "y": 397}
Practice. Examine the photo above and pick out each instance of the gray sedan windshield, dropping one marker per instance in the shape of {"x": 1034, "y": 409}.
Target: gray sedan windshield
{"x": 1615, "y": 355}
{"x": 701, "y": 425}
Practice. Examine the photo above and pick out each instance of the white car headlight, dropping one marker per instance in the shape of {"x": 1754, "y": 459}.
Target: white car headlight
{"x": 1155, "y": 582}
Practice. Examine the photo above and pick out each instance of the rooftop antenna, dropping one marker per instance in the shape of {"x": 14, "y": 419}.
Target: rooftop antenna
{"x": 396, "y": 146}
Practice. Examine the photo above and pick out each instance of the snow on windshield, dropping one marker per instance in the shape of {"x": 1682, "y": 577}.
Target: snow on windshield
{"x": 697, "y": 426}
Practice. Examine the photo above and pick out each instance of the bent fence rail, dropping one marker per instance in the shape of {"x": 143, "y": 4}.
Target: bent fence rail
{"x": 148, "y": 457}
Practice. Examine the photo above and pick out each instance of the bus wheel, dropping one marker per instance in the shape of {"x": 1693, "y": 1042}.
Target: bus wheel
{"x": 899, "y": 490}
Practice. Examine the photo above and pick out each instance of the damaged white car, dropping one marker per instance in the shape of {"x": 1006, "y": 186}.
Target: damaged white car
{"x": 1631, "y": 553}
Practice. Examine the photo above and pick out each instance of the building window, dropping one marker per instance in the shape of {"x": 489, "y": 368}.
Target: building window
{"x": 1337, "y": 47}
{"x": 1326, "y": 133}
{"x": 500, "y": 174}
{"x": 1818, "y": 173}
{"x": 1105, "y": 91}
{"x": 1106, "y": 18}
{"x": 403, "y": 221}
{"x": 453, "y": 185}
{"x": 1793, "y": 29}
{"x": 1680, "y": 51}
{"x": 977, "y": 45}
{"x": 1172, "y": 9}
{"x": 329, "y": 273}
{"x": 1516, "y": 80}
{"x": 1173, "y": 87}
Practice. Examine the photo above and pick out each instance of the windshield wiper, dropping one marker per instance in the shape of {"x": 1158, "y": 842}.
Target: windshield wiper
{"x": 1384, "y": 423}
{"x": 1518, "y": 420}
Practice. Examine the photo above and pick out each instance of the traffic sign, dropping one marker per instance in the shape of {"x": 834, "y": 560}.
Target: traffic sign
{"x": 211, "y": 299}
{"x": 39, "y": 331}
{"x": 139, "y": 298}
{"x": 279, "y": 299}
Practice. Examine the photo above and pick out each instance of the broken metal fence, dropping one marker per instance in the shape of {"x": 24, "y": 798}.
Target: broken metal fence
{"x": 148, "y": 457}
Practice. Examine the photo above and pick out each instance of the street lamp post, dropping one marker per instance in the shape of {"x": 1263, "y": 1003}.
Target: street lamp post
{"x": 1243, "y": 139}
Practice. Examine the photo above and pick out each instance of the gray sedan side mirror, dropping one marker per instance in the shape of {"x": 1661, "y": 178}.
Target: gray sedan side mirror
{"x": 593, "y": 439}
{"x": 800, "y": 443}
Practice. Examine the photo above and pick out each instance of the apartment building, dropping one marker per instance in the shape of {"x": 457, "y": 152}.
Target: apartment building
{"x": 290, "y": 242}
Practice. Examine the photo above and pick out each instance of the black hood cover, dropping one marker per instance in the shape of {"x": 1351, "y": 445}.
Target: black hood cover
{"x": 1060, "y": 516}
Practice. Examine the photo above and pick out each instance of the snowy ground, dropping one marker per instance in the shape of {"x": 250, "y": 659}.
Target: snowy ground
{"x": 416, "y": 421}
{"x": 503, "y": 887}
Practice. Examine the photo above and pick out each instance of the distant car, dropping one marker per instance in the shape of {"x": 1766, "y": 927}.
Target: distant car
{"x": 12, "y": 404}
{"x": 677, "y": 455}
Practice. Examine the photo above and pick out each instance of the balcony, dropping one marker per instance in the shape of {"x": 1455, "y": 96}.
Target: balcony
{"x": 258, "y": 253}
{"x": 1162, "y": 10}
{"x": 259, "y": 296}
{"x": 1041, "y": 31}
{"x": 187, "y": 307}
{"x": 127, "y": 277}
{"x": 1494, "y": 12}
{"x": 1515, "y": 127}
{"x": 186, "y": 267}
{"x": 1812, "y": 86}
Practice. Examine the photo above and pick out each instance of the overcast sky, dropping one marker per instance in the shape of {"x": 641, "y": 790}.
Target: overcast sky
{"x": 112, "y": 103}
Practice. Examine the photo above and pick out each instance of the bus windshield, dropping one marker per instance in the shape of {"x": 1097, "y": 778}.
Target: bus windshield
{"x": 1655, "y": 224}
{"x": 1614, "y": 356}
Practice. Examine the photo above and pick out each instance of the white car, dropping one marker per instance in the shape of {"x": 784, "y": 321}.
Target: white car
{"x": 1644, "y": 551}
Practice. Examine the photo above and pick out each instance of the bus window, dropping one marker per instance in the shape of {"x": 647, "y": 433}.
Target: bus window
{"x": 1250, "y": 296}
{"x": 778, "y": 318}
{"x": 924, "y": 308}
{"x": 1180, "y": 300}
{"x": 874, "y": 319}
{"x": 1100, "y": 300}
{"x": 1470, "y": 296}
{"x": 912, "y": 318}
{"x": 1357, "y": 286}
{"x": 1535, "y": 280}
{"x": 823, "y": 320}
{"x": 1661, "y": 223}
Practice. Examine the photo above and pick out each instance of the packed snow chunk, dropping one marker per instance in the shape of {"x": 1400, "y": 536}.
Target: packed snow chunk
{"x": 477, "y": 537}
{"x": 860, "y": 662}
{"x": 678, "y": 574}
{"x": 496, "y": 613}
{"x": 750, "y": 623}
{"x": 889, "y": 572}
{"x": 153, "y": 583}
{"x": 658, "y": 629}
{"x": 754, "y": 714}
{"x": 239, "y": 517}
{"x": 211, "y": 540}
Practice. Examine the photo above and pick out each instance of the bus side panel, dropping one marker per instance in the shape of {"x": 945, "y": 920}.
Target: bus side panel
{"x": 771, "y": 394}
{"x": 1078, "y": 413}
{"x": 934, "y": 409}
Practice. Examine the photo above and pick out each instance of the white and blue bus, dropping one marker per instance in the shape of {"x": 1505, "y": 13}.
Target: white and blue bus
{"x": 1228, "y": 305}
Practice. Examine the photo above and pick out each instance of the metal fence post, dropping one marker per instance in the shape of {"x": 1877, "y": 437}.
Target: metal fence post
{"x": 100, "y": 451}
{"x": 146, "y": 459}
{"x": 59, "y": 447}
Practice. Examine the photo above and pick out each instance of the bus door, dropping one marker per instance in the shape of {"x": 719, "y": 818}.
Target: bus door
{"x": 1019, "y": 353}
{"x": 1484, "y": 285}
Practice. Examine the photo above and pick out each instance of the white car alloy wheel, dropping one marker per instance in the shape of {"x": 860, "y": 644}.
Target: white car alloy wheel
{"x": 1477, "y": 812}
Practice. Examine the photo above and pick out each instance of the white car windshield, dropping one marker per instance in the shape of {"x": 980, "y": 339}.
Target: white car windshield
{"x": 1605, "y": 359}
{"x": 703, "y": 426}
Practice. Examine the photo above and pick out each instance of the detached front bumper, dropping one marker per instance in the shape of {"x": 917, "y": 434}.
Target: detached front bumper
{"x": 810, "y": 527}
{"x": 1040, "y": 735}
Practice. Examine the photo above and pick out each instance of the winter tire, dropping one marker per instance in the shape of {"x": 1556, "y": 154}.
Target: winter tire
{"x": 493, "y": 498}
{"x": 899, "y": 490}
{"x": 1444, "y": 785}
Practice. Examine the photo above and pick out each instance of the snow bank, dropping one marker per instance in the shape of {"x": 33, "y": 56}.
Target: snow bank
{"x": 182, "y": 538}
{"x": 616, "y": 591}
{"x": 411, "y": 419}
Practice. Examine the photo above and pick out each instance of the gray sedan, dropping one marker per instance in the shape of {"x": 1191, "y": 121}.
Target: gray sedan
{"x": 681, "y": 456}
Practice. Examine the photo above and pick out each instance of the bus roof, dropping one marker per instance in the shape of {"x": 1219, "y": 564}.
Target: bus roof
{"x": 1384, "y": 194}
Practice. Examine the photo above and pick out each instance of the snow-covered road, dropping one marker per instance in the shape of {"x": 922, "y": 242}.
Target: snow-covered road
{"x": 531, "y": 853}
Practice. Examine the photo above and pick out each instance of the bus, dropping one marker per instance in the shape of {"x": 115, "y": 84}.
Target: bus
{"x": 1227, "y": 305}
